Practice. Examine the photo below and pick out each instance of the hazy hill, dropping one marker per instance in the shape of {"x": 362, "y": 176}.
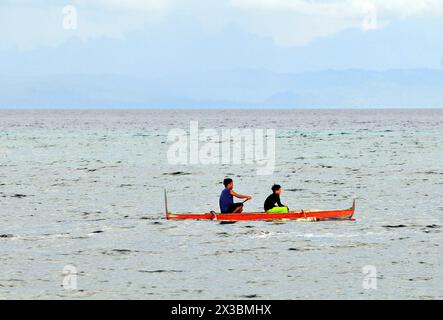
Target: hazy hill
{"x": 230, "y": 88}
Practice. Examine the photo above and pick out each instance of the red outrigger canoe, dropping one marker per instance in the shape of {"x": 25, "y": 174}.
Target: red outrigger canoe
{"x": 301, "y": 215}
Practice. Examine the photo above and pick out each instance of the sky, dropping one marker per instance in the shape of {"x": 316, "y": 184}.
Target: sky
{"x": 28, "y": 24}
{"x": 276, "y": 28}
{"x": 156, "y": 39}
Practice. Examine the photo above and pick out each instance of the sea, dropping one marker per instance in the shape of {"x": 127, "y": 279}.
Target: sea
{"x": 82, "y": 210}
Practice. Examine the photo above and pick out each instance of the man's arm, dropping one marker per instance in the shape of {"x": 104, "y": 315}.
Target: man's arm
{"x": 279, "y": 202}
{"x": 240, "y": 196}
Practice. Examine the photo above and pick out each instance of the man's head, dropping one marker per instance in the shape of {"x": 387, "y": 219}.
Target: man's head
{"x": 276, "y": 189}
{"x": 229, "y": 184}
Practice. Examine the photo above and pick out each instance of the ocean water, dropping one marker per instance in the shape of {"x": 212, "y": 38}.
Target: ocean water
{"x": 83, "y": 191}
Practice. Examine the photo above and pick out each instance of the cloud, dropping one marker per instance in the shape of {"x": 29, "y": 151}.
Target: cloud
{"x": 345, "y": 8}
{"x": 149, "y": 5}
{"x": 321, "y": 8}
{"x": 26, "y": 25}
{"x": 410, "y": 8}
{"x": 298, "y": 22}
{"x": 102, "y": 4}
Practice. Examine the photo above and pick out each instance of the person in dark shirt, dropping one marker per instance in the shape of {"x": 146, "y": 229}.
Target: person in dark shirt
{"x": 226, "y": 202}
{"x": 273, "y": 203}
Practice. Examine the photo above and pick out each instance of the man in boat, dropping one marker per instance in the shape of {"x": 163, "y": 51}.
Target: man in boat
{"x": 226, "y": 202}
{"x": 273, "y": 203}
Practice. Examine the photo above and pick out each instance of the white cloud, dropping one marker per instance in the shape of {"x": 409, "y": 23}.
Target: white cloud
{"x": 297, "y": 22}
{"x": 410, "y": 8}
{"x": 345, "y": 8}
{"x": 103, "y": 4}
{"x": 321, "y": 8}
{"x": 26, "y": 24}
{"x": 149, "y": 5}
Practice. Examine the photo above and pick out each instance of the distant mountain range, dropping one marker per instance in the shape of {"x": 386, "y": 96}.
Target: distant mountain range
{"x": 177, "y": 64}
{"x": 239, "y": 88}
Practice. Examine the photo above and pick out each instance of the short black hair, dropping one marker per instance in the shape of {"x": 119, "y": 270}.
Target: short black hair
{"x": 227, "y": 181}
{"x": 276, "y": 187}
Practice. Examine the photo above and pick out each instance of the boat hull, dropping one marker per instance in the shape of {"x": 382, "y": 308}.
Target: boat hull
{"x": 309, "y": 215}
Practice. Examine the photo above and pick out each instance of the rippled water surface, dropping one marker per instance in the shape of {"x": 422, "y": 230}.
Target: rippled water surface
{"x": 85, "y": 188}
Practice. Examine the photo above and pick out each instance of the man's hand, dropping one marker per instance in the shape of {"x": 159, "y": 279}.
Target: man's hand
{"x": 249, "y": 197}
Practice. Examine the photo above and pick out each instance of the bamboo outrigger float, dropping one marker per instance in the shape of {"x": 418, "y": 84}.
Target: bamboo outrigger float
{"x": 300, "y": 215}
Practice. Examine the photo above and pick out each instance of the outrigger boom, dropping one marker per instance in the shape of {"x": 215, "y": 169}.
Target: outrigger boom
{"x": 304, "y": 215}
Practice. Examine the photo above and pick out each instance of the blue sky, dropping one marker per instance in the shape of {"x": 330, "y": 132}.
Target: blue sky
{"x": 176, "y": 39}
{"x": 352, "y": 30}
